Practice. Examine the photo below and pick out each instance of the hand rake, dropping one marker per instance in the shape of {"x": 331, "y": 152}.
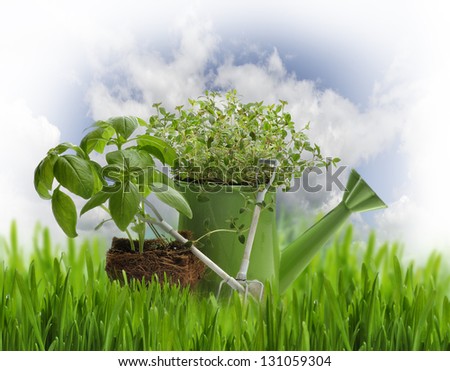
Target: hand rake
{"x": 160, "y": 222}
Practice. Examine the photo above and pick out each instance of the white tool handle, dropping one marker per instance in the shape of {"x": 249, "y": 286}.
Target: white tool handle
{"x": 207, "y": 261}
{"x": 242, "y": 275}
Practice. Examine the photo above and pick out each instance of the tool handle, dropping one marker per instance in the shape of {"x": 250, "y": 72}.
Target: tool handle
{"x": 242, "y": 274}
{"x": 230, "y": 281}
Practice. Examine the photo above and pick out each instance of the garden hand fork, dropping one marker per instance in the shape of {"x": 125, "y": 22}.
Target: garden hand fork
{"x": 254, "y": 287}
{"x": 160, "y": 222}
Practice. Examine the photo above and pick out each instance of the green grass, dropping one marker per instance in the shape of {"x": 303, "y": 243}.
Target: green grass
{"x": 352, "y": 297}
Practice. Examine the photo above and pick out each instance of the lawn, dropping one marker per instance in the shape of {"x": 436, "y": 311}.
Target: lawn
{"x": 353, "y": 296}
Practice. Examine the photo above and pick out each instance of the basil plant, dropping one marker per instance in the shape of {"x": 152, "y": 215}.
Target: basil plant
{"x": 113, "y": 168}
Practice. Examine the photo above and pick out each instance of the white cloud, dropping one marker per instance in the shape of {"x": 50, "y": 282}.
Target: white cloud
{"x": 25, "y": 140}
{"x": 151, "y": 76}
{"x": 420, "y": 217}
{"x": 337, "y": 124}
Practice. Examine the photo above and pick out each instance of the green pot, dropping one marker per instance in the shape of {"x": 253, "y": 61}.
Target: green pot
{"x": 213, "y": 208}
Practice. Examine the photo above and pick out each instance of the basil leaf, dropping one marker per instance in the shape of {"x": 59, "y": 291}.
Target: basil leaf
{"x": 130, "y": 158}
{"x": 97, "y": 139}
{"x": 124, "y": 125}
{"x": 96, "y": 200}
{"x": 65, "y": 212}
{"x": 75, "y": 174}
{"x": 124, "y": 204}
{"x": 172, "y": 198}
{"x": 61, "y": 148}
{"x": 97, "y": 172}
{"x": 43, "y": 176}
{"x": 158, "y": 148}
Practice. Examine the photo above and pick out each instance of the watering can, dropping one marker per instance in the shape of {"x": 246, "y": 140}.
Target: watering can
{"x": 221, "y": 207}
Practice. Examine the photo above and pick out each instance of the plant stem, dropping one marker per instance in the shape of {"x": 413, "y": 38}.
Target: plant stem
{"x": 214, "y": 231}
{"x": 131, "y": 240}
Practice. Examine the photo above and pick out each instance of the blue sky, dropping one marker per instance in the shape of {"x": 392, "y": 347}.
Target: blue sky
{"x": 370, "y": 76}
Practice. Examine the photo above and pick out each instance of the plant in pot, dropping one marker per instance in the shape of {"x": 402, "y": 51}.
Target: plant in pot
{"x": 221, "y": 143}
{"x": 223, "y": 147}
{"x": 113, "y": 168}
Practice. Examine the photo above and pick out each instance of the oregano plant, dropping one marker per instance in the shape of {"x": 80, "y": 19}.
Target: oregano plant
{"x": 220, "y": 139}
{"x": 117, "y": 179}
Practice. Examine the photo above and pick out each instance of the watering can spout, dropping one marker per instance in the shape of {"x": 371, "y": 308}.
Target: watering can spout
{"x": 358, "y": 197}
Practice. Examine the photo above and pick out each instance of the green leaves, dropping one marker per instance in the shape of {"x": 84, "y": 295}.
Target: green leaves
{"x": 75, "y": 174}
{"x": 63, "y": 147}
{"x": 97, "y": 139}
{"x": 129, "y": 175}
{"x": 158, "y": 148}
{"x": 172, "y": 198}
{"x": 230, "y": 137}
{"x": 124, "y": 205}
{"x": 124, "y": 125}
{"x": 65, "y": 212}
{"x": 130, "y": 158}
{"x": 96, "y": 200}
{"x": 43, "y": 176}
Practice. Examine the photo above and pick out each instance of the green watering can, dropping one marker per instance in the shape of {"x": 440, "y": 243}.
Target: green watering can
{"x": 218, "y": 207}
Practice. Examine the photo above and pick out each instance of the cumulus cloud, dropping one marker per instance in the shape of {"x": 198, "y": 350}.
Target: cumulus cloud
{"x": 419, "y": 218}
{"x": 25, "y": 140}
{"x": 337, "y": 124}
{"x": 148, "y": 77}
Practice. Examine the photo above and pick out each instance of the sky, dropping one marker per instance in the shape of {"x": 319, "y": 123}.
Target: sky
{"x": 372, "y": 78}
